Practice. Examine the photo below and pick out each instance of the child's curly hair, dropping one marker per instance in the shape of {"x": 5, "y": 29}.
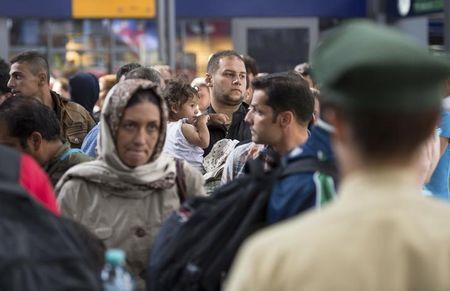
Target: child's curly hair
{"x": 177, "y": 92}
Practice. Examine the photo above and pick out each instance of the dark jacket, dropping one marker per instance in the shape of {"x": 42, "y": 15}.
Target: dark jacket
{"x": 64, "y": 159}
{"x": 238, "y": 128}
{"x": 75, "y": 121}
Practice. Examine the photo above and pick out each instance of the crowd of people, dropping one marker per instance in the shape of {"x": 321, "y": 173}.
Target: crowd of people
{"x": 112, "y": 158}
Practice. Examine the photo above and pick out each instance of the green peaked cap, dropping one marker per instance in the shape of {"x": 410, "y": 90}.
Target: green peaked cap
{"x": 368, "y": 66}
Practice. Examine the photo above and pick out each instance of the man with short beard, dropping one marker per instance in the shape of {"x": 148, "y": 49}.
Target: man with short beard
{"x": 227, "y": 77}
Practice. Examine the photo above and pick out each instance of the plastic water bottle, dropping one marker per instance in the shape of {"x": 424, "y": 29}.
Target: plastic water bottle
{"x": 114, "y": 275}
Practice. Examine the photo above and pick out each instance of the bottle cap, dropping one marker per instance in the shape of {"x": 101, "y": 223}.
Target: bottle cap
{"x": 115, "y": 257}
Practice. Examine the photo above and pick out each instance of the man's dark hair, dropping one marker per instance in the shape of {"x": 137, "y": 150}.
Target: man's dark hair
{"x": 287, "y": 92}
{"x": 213, "y": 63}
{"x": 145, "y": 73}
{"x": 37, "y": 61}
{"x": 23, "y": 115}
{"x": 386, "y": 135}
{"x": 250, "y": 65}
{"x": 4, "y": 77}
{"x": 125, "y": 69}
{"x": 177, "y": 92}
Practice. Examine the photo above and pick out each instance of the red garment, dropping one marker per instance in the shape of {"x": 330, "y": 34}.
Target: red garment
{"x": 37, "y": 184}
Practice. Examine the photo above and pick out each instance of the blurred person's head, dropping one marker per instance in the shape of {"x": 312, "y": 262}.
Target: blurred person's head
{"x": 29, "y": 126}
{"x": 133, "y": 124}
{"x": 61, "y": 87}
{"x": 105, "y": 82}
{"x": 304, "y": 69}
{"x": 252, "y": 71}
{"x": 182, "y": 100}
{"x": 29, "y": 75}
{"x": 374, "y": 98}
{"x": 5, "y": 92}
{"x": 281, "y": 109}
{"x": 120, "y": 74}
{"x": 165, "y": 71}
{"x": 227, "y": 77}
{"x": 146, "y": 73}
{"x": 84, "y": 90}
{"x": 199, "y": 84}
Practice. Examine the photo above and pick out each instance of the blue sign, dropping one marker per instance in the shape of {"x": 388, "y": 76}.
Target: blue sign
{"x": 271, "y": 8}
{"x": 36, "y": 8}
{"x": 204, "y": 8}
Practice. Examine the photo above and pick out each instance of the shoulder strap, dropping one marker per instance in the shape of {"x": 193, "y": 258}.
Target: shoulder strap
{"x": 310, "y": 165}
{"x": 10, "y": 169}
{"x": 180, "y": 180}
{"x": 68, "y": 153}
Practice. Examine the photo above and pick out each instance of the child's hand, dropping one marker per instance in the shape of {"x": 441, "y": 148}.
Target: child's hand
{"x": 219, "y": 118}
{"x": 191, "y": 120}
{"x": 202, "y": 119}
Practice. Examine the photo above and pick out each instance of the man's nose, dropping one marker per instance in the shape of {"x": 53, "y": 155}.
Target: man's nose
{"x": 248, "y": 118}
{"x": 236, "y": 81}
{"x": 10, "y": 83}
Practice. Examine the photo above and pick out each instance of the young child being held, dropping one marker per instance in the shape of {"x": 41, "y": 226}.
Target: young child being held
{"x": 187, "y": 133}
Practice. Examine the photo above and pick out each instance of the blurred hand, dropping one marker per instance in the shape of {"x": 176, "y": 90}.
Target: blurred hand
{"x": 219, "y": 118}
{"x": 202, "y": 119}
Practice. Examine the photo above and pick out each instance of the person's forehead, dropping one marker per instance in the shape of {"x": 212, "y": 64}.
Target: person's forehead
{"x": 232, "y": 63}
{"x": 259, "y": 98}
{"x": 23, "y": 67}
{"x": 143, "y": 111}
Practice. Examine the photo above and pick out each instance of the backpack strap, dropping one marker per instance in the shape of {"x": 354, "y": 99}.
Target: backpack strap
{"x": 324, "y": 177}
{"x": 69, "y": 152}
{"x": 255, "y": 168}
{"x": 180, "y": 179}
{"x": 310, "y": 165}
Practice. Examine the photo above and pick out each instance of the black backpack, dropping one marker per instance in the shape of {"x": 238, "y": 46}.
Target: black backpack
{"x": 37, "y": 250}
{"x": 197, "y": 244}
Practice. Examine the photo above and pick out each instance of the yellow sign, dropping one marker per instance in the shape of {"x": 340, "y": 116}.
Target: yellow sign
{"x": 113, "y": 8}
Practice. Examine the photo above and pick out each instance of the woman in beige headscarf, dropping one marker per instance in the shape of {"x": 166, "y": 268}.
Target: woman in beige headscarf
{"x": 124, "y": 196}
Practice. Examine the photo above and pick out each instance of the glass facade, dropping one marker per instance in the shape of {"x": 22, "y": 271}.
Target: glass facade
{"x": 98, "y": 46}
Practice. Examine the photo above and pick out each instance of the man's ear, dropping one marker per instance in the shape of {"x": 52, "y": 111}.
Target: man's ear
{"x": 286, "y": 118}
{"x": 35, "y": 141}
{"x": 208, "y": 80}
{"x": 42, "y": 79}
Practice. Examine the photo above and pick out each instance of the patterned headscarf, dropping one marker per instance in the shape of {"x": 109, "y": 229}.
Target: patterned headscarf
{"x": 108, "y": 170}
{"x": 117, "y": 100}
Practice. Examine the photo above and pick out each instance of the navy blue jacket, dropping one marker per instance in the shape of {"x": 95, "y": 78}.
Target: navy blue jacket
{"x": 296, "y": 193}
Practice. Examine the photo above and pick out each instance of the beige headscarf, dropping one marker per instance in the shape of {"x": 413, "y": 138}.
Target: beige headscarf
{"x": 108, "y": 169}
